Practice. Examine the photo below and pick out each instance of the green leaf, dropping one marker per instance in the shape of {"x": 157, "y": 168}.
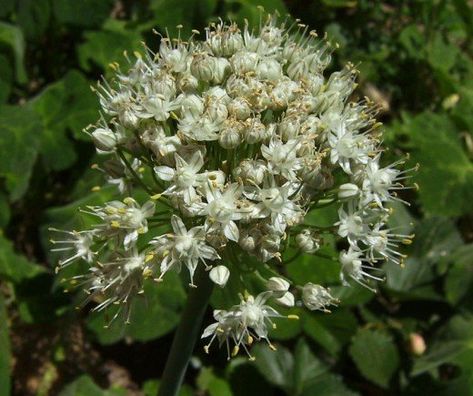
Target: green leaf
{"x": 153, "y": 315}
{"x": 213, "y": 385}
{"x": 103, "y": 47}
{"x": 15, "y": 267}
{"x": 315, "y": 269}
{"x": 277, "y": 367}
{"x": 33, "y": 17}
{"x": 6, "y": 78}
{"x": 151, "y": 387}
{"x": 330, "y": 331}
{"x": 85, "y": 386}
{"x": 5, "y": 356}
{"x": 83, "y": 13}
{"x": 20, "y": 130}
{"x": 12, "y": 37}
{"x": 375, "y": 355}
{"x": 440, "y": 54}
{"x": 67, "y": 105}
{"x": 459, "y": 280}
{"x": 445, "y": 176}
{"x": 298, "y": 374}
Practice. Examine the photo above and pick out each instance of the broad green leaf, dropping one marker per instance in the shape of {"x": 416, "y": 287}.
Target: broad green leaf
{"x": 459, "y": 280}
{"x": 101, "y": 48}
{"x": 375, "y": 355}
{"x": 440, "y": 54}
{"x": 13, "y": 266}
{"x": 328, "y": 385}
{"x": 208, "y": 382}
{"x": 153, "y": 315}
{"x": 85, "y": 386}
{"x": 277, "y": 367}
{"x": 445, "y": 176}
{"x": 33, "y": 17}
{"x": 5, "y": 355}
{"x": 315, "y": 269}
{"x": 83, "y": 13}
{"x": 307, "y": 368}
{"x": 66, "y": 106}
{"x": 20, "y": 131}
{"x": 12, "y": 37}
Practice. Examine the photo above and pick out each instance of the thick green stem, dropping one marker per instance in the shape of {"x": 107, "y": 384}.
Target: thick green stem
{"x": 186, "y": 335}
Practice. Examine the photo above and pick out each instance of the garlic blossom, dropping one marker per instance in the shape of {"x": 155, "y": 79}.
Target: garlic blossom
{"x": 221, "y": 148}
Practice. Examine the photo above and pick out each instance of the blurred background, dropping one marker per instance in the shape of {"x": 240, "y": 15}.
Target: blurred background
{"x": 414, "y": 337}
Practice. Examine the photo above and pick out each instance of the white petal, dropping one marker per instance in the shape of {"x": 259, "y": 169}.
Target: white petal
{"x": 164, "y": 172}
{"x": 231, "y": 231}
{"x": 178, "y": 226}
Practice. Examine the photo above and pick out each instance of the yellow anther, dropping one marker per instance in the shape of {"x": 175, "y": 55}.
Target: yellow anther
{"x": 95, "y": 188}
{"x": 115, "y": 224}
{"x": 220, "y": 330}
{"x": 149, "y": 257}
{"x": 206, "y": 349}
{"x": 293, "y": 317}
{"x": 137, "y": 54}
{"x": 272, "y": 347}
{"x": 235, "y": 351}
{"x": 147, "y": 273}
{"x": 250, "y": 340}
{"x": 407, "y": 241}
{"x": 155, "y": 197}
{"x": 121, "y": 210}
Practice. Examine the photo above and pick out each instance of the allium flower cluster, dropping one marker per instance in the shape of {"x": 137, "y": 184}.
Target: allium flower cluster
{"x": 235, "y": 139}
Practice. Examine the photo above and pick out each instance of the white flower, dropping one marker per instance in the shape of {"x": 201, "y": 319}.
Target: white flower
{"x": 347, "y": 146}
{"x": 222, "y": 210}
{"x": 316, "y": 297}
{"x": 282, "y": 157}
{"x": 79, "y": 242}
{"x": 351, "y": 224}
{"x": 307, "y": 242}
{"x": 183, "y": 247}
{"x": 353, "y": 267}
{"x": 185, "y": 177}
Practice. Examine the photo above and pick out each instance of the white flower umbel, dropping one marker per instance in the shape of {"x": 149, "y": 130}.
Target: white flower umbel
{"x": 227, "y": 147}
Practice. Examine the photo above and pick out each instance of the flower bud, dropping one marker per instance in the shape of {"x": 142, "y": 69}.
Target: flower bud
{"x": 229, "y": 137}
{"x": 316, "y": 297}
{"x": 247, "y": 243}
{"x": 307, "y": 242}
{"x": 239, "y": 109}
{"x": 269, "y": 69}
{"x": 348, "y": 191}
{"x": 251, "y": 171}
{"x": 255, "y": 131}
{"x": 202, "y": 67}
{"x": 219, "y": 275}
{"x": 104, "y": 139}
{"x": 278, "y": 284}
{"x": 244, "y": 62}
{"x": 287, "y": 300}
{"x": 417, "y": 344}
{"x": 220, "y": 69}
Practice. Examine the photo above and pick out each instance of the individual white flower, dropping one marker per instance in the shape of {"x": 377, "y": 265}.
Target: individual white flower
{"x": 352, "y": 224}
{"x": 282, "y": 157}
{"x": 353, "y": 267}
{"x": 186, "y": 247}
{"x": 347, "y": 146}
{"x": 316, "y": 297}
{"x": 184, "y": 178}
{"x": 219, "y": 275}
{"x": 222, "y": 210}
{"x": 78, "y": 242}
{"x": 275, "y": 202}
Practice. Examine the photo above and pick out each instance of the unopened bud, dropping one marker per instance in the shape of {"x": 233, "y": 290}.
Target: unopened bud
{"x": 276, "y": 283}
{"x": 348, "y": 191}
{"x": 219, "y": 275}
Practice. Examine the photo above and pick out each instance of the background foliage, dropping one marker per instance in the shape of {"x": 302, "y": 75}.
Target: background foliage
{"x": 415, "y": 59}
